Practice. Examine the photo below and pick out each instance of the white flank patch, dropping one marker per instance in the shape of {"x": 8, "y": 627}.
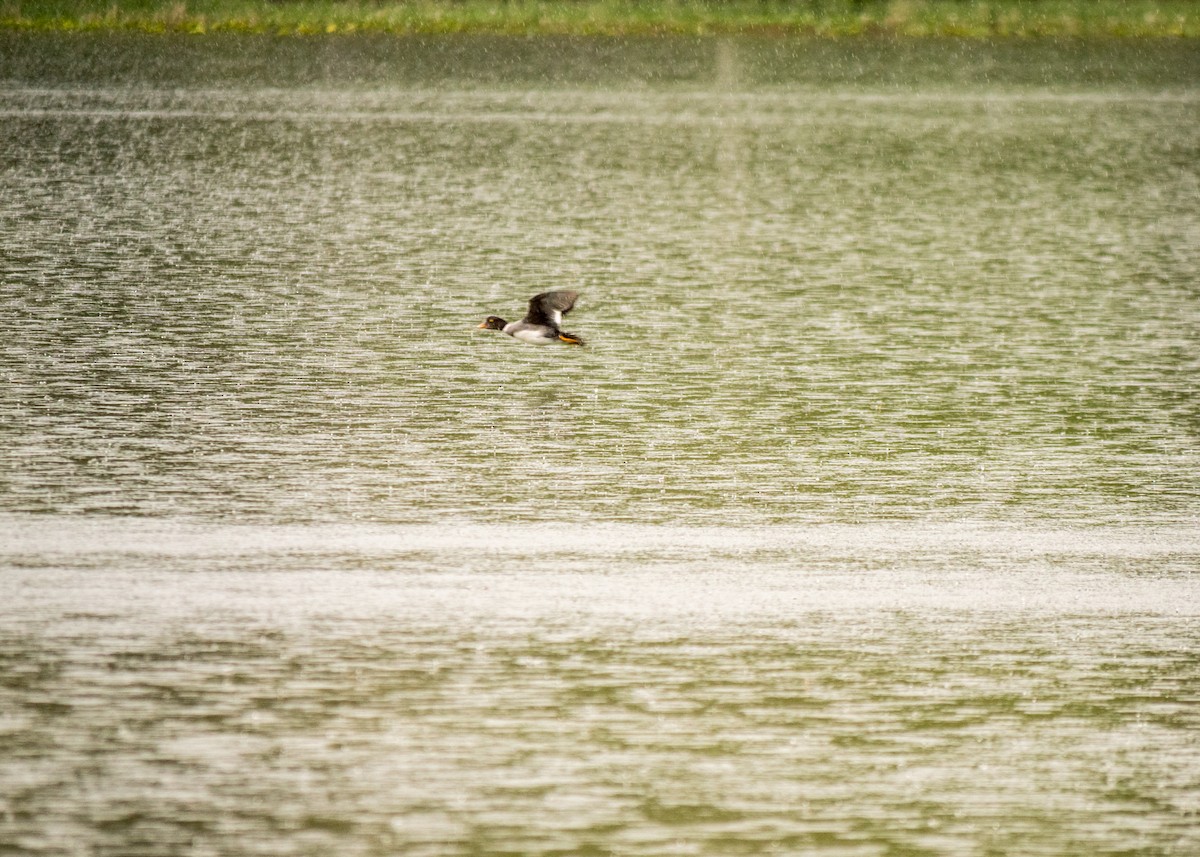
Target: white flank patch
{"x": 534, "y": 336}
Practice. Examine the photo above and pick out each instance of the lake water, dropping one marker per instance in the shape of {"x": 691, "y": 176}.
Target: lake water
{"x": 865, "y": 523}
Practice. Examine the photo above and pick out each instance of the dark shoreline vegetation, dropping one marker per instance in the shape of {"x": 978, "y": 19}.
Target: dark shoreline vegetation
{"x": 972, "y": 19}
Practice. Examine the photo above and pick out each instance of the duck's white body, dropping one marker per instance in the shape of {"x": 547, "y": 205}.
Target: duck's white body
{"x": 533, "y": 334}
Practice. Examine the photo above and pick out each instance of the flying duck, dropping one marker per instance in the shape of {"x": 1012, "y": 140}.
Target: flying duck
{"x": 540, "y": 326}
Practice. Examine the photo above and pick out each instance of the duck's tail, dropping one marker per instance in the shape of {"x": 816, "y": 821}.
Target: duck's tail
{"x": 570, "y": 338}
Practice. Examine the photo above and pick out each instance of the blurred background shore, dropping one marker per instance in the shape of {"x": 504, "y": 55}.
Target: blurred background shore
{"x": 827, "y": 18}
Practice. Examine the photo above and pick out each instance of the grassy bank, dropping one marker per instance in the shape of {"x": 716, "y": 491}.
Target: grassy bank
{"x": 832, "y": 18}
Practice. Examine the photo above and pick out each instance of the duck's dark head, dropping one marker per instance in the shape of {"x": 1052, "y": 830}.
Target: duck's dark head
{"x": 493, "y": 322}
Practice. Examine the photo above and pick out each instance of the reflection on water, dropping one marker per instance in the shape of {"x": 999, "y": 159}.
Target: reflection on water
{"x": 865, "y": 524}
{"x": 639, "y": 689}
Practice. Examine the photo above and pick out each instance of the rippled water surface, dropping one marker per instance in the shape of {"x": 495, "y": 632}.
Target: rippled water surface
{"x": 865, "y": 523}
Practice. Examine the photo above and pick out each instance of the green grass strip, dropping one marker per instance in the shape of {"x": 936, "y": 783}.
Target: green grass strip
{"x": 829, "y": 18}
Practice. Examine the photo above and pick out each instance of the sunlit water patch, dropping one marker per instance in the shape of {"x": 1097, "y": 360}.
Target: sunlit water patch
{"x": 187, "y": 688}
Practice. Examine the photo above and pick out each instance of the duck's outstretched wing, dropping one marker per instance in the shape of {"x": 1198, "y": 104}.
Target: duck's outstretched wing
{"x": 550, "y": 307}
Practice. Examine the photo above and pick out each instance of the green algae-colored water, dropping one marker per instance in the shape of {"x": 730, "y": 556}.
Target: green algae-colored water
{"x": 866, "y": 523}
